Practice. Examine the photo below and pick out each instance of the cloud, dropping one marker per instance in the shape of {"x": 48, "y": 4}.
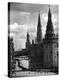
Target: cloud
{"x": 16, "y": 28}
{"x": 19, "y": 17}
{"x": 12, "y": 35}
{"x": 24, "y": 13}
{"x": 55, "y": 22}
{"x": 19, "y": 43}
{"x": 13, "y": 26}
{"x": 31, "y": 28}
{"x": 44, "y": 17}
{"x": 28, "y": 7}
{"x": 19, "y": 33}
{"x": 55, "y": 18}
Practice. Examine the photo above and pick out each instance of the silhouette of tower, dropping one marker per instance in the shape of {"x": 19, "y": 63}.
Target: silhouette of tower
{"x": 28, "y": 41}
{"x": 49, "y": 30}
{"x": 50, "y": 45}
{"x": 32, "y": 42}
{"x": 39, "y": 32}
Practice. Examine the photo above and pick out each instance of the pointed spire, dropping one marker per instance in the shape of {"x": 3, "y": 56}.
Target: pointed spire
{"x": 49, "y": 29}
{"x": 49, "y": 7}
{"x": 39, "y": 33}
{"x": 28, "y": 41}
{"x": 49, "y": 14}
{"x": 32, "y": 42}
{"x": 27, "y": 37}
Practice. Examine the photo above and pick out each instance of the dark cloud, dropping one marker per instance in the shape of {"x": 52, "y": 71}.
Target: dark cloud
{"x": 29, "y": 7}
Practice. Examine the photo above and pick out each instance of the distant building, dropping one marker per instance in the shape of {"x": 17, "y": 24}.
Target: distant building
{"x": 28, "y": 44}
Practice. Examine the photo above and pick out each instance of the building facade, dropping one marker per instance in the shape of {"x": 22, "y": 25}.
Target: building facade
{"x": 44, "y": 52}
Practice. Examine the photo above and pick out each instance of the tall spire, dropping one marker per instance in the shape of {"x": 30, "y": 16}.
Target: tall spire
{"x": 27, "y": 37}
{"x": 49, "y": 29}
{"x": 49, "y": 14}
{"x": 28, "y": 41}
{"x": 39, "y": 33}
{"x": 32, "y": 42}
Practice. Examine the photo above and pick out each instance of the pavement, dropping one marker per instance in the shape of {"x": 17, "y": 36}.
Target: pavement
{"x": 30, "y": 73}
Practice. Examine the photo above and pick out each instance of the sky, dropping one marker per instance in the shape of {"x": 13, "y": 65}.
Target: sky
{"x": 23, "y": 18}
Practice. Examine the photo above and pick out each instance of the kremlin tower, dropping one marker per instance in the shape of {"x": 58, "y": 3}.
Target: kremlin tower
{"x": 39, "y": 32}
